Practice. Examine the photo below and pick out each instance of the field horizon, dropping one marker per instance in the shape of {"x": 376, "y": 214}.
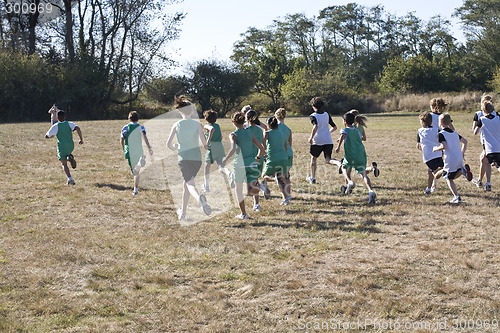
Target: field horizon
{"x": 94, "y": 258}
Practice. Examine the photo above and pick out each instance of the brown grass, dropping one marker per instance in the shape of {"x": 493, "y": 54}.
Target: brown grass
{"x": 92, "y": 258}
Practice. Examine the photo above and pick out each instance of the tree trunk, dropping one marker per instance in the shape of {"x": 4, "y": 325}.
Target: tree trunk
{"x": 70, "y": 46}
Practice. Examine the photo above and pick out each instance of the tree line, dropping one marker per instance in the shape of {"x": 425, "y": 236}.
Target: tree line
{"x": 103, "y": 54}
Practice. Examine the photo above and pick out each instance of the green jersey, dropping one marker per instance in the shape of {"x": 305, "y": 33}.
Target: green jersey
{"x": 188, "y": 140}
{"x": 276, "y": 146}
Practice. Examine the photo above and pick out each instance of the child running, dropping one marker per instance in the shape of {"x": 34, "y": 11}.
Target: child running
{"x": 131, "y": 140}
{"x": 484, "y": 166}
{"x": 277, "y": 160}
{"x": 63, "y": 130}
{"x": 453, "y": 156}
{"x": 253, "y": 125}
{"x": 427, "y": 139}
{"x": 360, "y": 124}
{"x": 215, "y": 151}
{"x": 189, "y": 133}
{"x": 354, "y": 155}
{"x": 489, "y": 125}
{"x": 437, "y": 108}
{"x": 245, "y": 166}
{"x": 280, "y": 115}
{"x": 53, "y": 114}
{"x": 321, "y": 137}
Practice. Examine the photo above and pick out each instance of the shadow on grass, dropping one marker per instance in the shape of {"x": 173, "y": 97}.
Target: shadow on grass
{"x": 368, "y": 226}
{"x": 114, "y": 187}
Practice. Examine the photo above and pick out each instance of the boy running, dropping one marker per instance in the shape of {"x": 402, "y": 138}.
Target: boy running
{"x": 484, "y": 166}
{"x": 63, "y": 130}
{"x": 427, "y": 139}
{"x": 321, "y": 137}
{"x": 453, "y": 156}
{"x": 131, "y": 141}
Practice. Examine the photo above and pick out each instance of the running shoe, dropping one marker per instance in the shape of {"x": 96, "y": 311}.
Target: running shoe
{"x": 72, "y": 161}
{"x": 456, "y": 200}
{"x": 466, "y": 172}
{"x": 350, "y": 187}
{"x": 371, "y": 197}
{"x": 376, "y": 171}
{"x": 204, "y": 205}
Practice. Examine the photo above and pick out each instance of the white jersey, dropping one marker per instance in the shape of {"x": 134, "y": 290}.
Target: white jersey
{"x": 435, "y": 119}
{"x": 428, "y": 137}
{"x": 477, "y": 116}
{"x": 322, "y": 136}
{"x": 452, "y": 156}
{"x": 490, "y": 130}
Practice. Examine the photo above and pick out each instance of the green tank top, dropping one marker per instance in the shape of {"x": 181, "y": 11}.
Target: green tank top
{"x": 64, "y": 137}
{"x": 354, "y": 150}
{"x": 244, "y": 147}
{"x": 217, "y": 136}
{"x": 188, "y": 140}
{"x": 257, "y": 132}
{"x": 133, "y": 140}
{"x": 286, "y": 131}
{"x": 276, "y": 146}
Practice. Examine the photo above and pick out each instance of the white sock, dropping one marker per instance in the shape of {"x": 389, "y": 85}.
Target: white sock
{"x": 136, "y": 189}
{"x": 70, "y": 178}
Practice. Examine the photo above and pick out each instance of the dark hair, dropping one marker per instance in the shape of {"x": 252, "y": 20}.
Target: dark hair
{"x": 487, "y": 107}
{"x": 317, "y": 102}
{"x": 426, "y": 117}
{"x": 349, "y": 118}
{"x": 133, "y": 116}
{"x": 210, "y": 116}
{"x": 61, "y": 115}
{"x": 253, "y": 117}
{"x": 181, "y": 101}
{"x": 272, "y": 122}
{"x": 238, "y": 118}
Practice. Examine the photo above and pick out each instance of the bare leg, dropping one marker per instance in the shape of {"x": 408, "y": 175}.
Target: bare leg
{"x": 482, "y": 166}
{"x": 240, "y": 197}
{"x": 65, "y": 168}
{"x": 366, "y": 180}
{"x": 430, "y": 179}
{"x": 185, "y": 198}
{"x": 452, "y": 186}
{"x": 137, "y": 178}
{"x": 313, "y": 166}
{"x": 487, "y": 169}
{"x": 191, "y": 187}
{"x": 207, "y": 173}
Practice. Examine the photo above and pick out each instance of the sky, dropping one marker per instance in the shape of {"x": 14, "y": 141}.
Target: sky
{"x": 211, "y": 27}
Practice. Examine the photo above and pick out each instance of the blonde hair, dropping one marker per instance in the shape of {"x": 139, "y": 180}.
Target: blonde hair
{"x": 280, "y": 113}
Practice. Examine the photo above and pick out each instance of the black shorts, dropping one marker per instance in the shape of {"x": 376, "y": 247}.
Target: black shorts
{"x": 493, "y": 158}
{"x": 452, "y": 175}
{"x": 189, "y": 169}
{"x": 316, "y": 150}
{"x": 435, "y": 163}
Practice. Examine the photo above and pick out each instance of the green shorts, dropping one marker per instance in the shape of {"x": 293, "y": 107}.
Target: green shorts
{"x": 276, "y": 167}
{"x": 63, "y": 151}
{"x": 358, "y": 166}
{"x": 215, "y": 153}
{"x": 249, "y": 174}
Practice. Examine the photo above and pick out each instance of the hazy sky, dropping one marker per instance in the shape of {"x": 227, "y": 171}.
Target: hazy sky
{"x": 211, "y": 27}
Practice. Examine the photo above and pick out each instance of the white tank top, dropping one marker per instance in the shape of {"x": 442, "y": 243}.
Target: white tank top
{"x": 452, "y": 155}
{"x": 491, "y": 134}
{"x": 322, "y": 136}
{"x": 429, "y": 138}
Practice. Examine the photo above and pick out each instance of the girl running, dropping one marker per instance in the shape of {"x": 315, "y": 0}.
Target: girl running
{"x": 280, "y": 115}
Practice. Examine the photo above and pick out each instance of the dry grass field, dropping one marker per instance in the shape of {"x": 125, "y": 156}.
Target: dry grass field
{"x": 93, "y": 258}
